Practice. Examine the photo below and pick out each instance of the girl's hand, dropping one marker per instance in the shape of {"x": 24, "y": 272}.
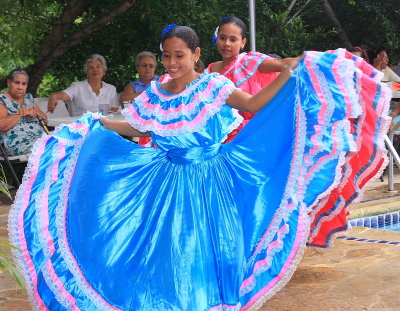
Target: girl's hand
{"x": 104, "y": 122}
{"x": 292, "y": 62}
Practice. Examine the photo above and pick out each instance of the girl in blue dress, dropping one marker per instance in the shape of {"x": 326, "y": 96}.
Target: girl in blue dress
{"x": 105, "y": 224}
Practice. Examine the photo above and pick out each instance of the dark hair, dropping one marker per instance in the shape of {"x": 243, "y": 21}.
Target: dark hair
{"x": 364, "y": 54}
{"x": 275, "y": 55}
{"x": 372, "y": 54}
{"x": 187, "y": 34}
{"x": 16, "y": 71}
{"x": 237, "y": 21}
{"x": 199, "y": 66}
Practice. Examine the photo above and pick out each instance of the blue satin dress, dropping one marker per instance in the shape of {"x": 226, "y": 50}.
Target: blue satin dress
{"x": 105, "y": 224}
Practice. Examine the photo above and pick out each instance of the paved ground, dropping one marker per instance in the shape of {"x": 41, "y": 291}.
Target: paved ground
{"x": 352, "y": 275}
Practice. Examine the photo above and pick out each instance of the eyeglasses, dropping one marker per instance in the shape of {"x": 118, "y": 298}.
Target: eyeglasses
{"x": 151, "y": 66}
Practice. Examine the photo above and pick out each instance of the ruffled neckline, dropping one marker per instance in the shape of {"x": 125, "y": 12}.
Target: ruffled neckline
{"x": 188, "y": 86}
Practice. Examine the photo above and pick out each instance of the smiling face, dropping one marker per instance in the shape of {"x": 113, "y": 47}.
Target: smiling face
{"x": 17, "y": 87}
{"x": 230, "y": 41}
{"x": 178, "y": 59}
{"x": 95, "y": 70}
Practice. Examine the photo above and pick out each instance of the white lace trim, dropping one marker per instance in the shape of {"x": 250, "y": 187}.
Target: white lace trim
{"x": 15, "y": 213}
{"x": 13, "y": 217}
{"x": 356, "y": 108}
{"x": 62, "y": 239}
{"x": 225, "y": 307}
{"x": 189, "y": 111}
{"x": 189, "y": 127}
{"x": 286, "y": 278}
{"x": 270, "y": 253}
{"x": 382, "y": 108}
{"x": 283, "y": 213}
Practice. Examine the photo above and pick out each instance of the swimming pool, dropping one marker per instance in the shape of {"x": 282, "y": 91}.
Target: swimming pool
{"x": 388, "y": 221}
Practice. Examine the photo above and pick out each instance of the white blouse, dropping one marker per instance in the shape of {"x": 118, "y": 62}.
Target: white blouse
{"x": 83, "y": 98}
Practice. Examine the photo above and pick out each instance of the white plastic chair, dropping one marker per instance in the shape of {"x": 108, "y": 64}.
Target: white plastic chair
{"x": 60, "y": 110}
{"x": 10, "y": 160}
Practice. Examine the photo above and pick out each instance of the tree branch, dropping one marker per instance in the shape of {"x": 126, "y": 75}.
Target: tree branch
{"x": 92, "y": 27}
{"x": 61, "y": 26}
{"x": 52, "y": 51}
{"x": 298, "y": 12}
{"x": 332, "y": 16}
{"x": 291, "y": 5}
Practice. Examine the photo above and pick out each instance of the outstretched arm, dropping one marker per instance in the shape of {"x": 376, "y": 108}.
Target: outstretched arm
{"x": 246, "y": 102}
{"x": 128, "y": 94}
{"x": 122, "y": 128}
{"x": 52, "y": 103}
{"x": 277, "y": 65}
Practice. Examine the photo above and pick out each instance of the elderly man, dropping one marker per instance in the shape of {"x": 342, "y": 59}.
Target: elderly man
{"x": 146, "y": 65}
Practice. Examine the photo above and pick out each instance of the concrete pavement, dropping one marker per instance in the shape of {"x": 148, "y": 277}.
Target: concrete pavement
{"x": 353, "y": 275}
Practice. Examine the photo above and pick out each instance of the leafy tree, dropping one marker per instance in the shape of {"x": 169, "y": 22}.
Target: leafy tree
{"x": 54, "y": 37}
{"x": 76, "y": 20}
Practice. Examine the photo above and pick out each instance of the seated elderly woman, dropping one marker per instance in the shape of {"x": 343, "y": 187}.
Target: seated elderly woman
{"x": 146, "y": 65}
{"x": 19, "y": 116}
{"x": 87, "y": 95}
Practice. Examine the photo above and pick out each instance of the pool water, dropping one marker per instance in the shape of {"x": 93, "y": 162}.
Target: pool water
{"x": 395, "y": 227}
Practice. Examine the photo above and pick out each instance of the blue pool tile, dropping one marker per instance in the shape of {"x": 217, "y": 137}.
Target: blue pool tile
{"x": 395, "y": 218}
{"x": 388, "y": 219}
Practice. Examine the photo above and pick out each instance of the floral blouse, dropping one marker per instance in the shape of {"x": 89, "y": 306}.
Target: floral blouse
{"x": 20, "y": 138}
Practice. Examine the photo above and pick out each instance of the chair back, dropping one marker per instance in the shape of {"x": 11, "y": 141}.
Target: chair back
{"x": 60, "y": 110}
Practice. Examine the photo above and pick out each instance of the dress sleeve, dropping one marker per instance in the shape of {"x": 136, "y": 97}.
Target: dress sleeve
{"x": 166, "y": 114}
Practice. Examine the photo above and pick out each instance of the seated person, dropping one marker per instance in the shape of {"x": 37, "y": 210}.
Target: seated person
{"x": 379, "y": 59}
{"x": 87, "y": 95}
{"x": 395, "y": 112}
{"x": 19, "y": 123}
{"x": 146, "y": 65}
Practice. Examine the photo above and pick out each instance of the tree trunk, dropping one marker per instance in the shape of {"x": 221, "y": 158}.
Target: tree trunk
{"x": 332, "y": 16}
{"x": 57, "y": 44}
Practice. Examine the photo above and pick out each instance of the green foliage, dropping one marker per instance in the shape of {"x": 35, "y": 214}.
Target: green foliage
{"x": 6, "y": 262}
{"x": 22, "y": 27}
{"x": 24, "y": 24}
{"x": 3, "y": 182}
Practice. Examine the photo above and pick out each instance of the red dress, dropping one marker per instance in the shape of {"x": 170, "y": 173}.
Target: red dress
{"x": 243, "y": 71}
